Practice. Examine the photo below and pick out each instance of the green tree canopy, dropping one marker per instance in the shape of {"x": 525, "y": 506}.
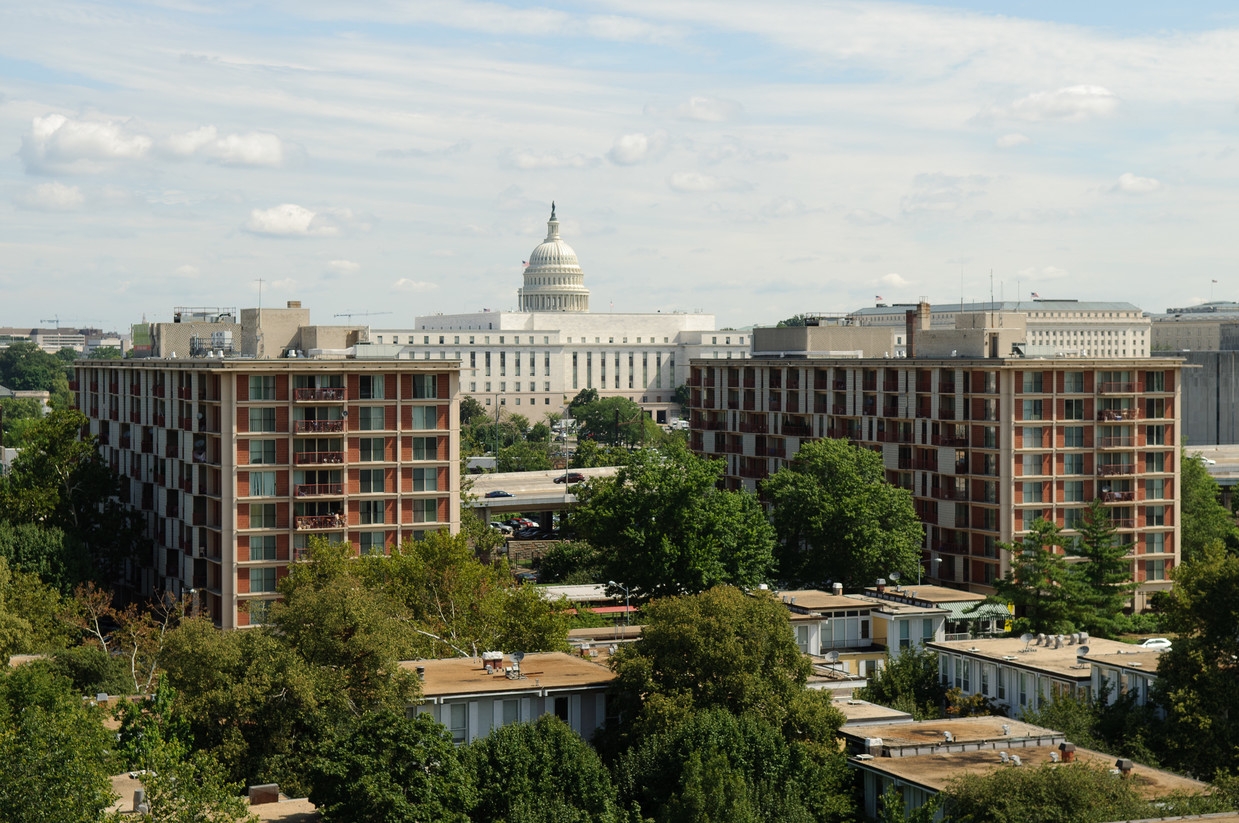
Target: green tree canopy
{"x": 1039, "y": 582}
{"x": 26, "y": 367}
{"x": 1102, "y": 573}
{"x": 540, "y": 772}
{"x": 616, "y": 421}
{"x": 908, "y": 682}
{"x": 105, "y": 353}
{"x": 525, "y": 456}
{"x": 18, "y": 414}
{"x": 664, "y": 527}
{"x": 1203, "y": 519}
{"x": 583, "y": 398}
{"x": 571, "y": 562}
{"x": 392, "y": 769}
{"x": 590, "y": 455}
{"x": 838, "y": 519}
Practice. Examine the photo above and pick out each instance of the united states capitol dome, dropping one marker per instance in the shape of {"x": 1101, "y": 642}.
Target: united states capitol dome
{"x": 553, "y": 277}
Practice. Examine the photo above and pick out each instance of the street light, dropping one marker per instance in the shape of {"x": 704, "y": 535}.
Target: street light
{"x": 627, "y": 613}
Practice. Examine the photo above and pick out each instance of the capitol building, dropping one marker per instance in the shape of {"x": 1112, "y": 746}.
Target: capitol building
{"x": 536, "y": 359}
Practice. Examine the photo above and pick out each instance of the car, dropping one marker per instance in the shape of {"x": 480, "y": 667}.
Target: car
{"x": 499, "y": 493}
{"x": 570, "y": 477}
{"x": 501, "y": 527}
{"x": 1155, "y": 643}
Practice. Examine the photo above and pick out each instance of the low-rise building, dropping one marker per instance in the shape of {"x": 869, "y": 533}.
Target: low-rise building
{"x": 1119, "y": 672}
{"x": 472, "y": 696}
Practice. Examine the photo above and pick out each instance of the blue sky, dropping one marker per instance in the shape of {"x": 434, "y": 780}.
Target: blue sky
{"x": 753, "y": 160}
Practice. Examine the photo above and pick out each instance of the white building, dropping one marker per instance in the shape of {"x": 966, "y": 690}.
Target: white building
{"x": 554, "y": 347}
{"x": 1054, "y": 327}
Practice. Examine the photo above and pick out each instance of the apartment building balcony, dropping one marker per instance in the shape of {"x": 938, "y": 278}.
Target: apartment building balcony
{"x": 753, "y": 472}
{"x": 890, "y": 385}
{"x": 135, "y": 389}
{"x": 840, "y": 385}
{"x": 755, "y": 428}
{"x": 771, "y": 451}
{"x": 160, "y": 420}
{"x": 310, "y": 522}
{"x": 948, "y": 493}
{"x": 184, "y": 392}
{"x": 318, "y": 489}
{"x": 187, "y": 485}
{"x": 958, "y": 441}
{"x": 158, "y": 390}
{"x": 135, "y": 416}
{"x": 925, "y": 464}
{"x": 750, "y": 383}
{"x": 318, "y": 458}
{"x": 1120, "y": 388}
{"x": 1123, "y": 522}
{"x": 1116, "y": 442}
{"x": 1118, "y": 414}
{"x": 1118, "y": 497}
{"x": 797, "y": 430}
{"x": 946, "y": 414}
{"x": 839, "y": 433}
{"x": 906, "y": 463}
{"x": 1116, "y": 469}
{"x": 946, "y": 387}
{"x": 317, "y": 426}
{"x": 333, "y": 395}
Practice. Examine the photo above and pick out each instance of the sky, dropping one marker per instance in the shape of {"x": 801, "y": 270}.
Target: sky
{"x": 389, "y": 159}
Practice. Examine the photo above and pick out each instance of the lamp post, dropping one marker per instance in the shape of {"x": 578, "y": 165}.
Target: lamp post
{"x": 627, "y": 614}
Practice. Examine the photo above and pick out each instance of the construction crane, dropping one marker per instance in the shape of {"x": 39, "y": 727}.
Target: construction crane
{"x": 352, "y": 314}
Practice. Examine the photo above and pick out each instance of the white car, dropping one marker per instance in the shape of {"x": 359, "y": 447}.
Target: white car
{"x": 1155, "y": 643}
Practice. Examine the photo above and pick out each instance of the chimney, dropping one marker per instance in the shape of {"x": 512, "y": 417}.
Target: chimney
{"x": 294, "y": 304}
{"x": 837, "y": 589}
{"x": 910, "y": 329}
{"x": 1124, "y": 767}
{"x": 265, "y": 793}
{"x": 881, "y": 585}
{"x": 1068, "y": 750}
{"x": 923, "y": 318}
{"x": 421, "y": 672}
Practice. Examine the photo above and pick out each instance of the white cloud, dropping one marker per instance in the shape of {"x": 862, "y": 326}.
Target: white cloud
{"x": 1008, "y": 141}
{"x": 1032, "y": 274}
{"x": 894, "y": 280}
{"x": 708, "y": 110}
{"x": 1070, "y": 103}
{"x": 187, "y": 271}
{"x": 55, "y": 196}
{"x": 1134, "y": 184}
{"x": 56, "y": 143}
{"x": 528, "y": 160}
{"x": 864, "y": 217}
{"x": 784, "y": 207}
{"x": 254, "y": 149}
{"x": 405, "y": 284}
{"x": 942, "y": 192}
{"x": 631, "y": 149}
{"x": 696, "y": 182}
{"x": 347, "y": 266}
{"x": 291, "y": 220}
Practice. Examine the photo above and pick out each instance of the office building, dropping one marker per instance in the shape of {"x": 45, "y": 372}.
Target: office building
{"x": 986, "y": 440}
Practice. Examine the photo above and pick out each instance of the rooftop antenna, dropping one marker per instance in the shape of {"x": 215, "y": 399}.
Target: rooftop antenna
{"x": 259, "y": 348}
{"x": 1027, "y": 638}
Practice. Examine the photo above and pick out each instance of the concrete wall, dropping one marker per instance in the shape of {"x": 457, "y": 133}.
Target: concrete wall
{"x": 1210, "y": 396}
{"x": 867, "y": 341}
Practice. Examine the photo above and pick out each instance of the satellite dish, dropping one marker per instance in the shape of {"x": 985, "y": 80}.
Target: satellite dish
{"x": 832, "y": 657}
{"x": 1081, "y": 651}
{"x": 894, "y": 576}
{"x": 1027, "y": 638}
{"x": 517, "y": 657}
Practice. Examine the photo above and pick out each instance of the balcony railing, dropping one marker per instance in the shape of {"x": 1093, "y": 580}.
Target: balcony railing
{"x": 1113, "y": 469}
{"x": 1123, "y": 522}
{"x": 318, "y": 489}
{"x": 947, "y": 493}
{"x": 797, "y": 430}
{"x": 1120, "y": 388}
{"x": 318, "y": 458}
{"x": 1115, "y": 442}
{"x": 335, "y": 394}
{"x": 319, "y": 521}
{"x": 1118, "y": 414}
{"x": 949, "y": 440}
{"x": 184, "y": 392}
{"x": 1118, "y": 497}
{"x": 317, "y": 426}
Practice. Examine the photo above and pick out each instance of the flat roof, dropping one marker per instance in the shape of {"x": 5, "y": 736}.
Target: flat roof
{"x": 1133, "y": 657}
{"x": 818, "y": 600}
{"x": 1010, "y": 651}
{"x": 542, "y": 670}
{"x": 862, "y": 712}
{"x": 937, "y": 771}
{"x": 931, "y": 594}
{"x": 963, "y": 729}
{"x": 602, "y": 634}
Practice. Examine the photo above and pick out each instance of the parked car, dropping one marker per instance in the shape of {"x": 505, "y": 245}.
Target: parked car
{"x": 499, "y": 493}
{"x": 570, "y": 477}
{"x": 1155, "y": 643}
{"x": 501, "y": 527}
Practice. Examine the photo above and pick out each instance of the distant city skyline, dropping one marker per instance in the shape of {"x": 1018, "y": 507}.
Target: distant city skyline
{"x": 752, "y": 162}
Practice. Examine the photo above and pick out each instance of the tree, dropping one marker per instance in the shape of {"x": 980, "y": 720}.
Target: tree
{"x": 17, "y": 415}
{"x": 471, "y": 411}
{"x": 908, "y": 682}
{"x": 1102, "y": 573}
{"x": 392, "y": 769}
{"x": 1196, "y": 677}
{"x": 26, "y": 367}
{"x": 524, "y": 456}
{"x": 683, "y": 396}
{"x": 105, "y": 353}
{"x": 1203, "y": 519}
{"x": 590, "y": 455}
{"x": 616, "y": 421}
{"x": 718, "y": 766}
{"x": 1077, "y": 793}
{"x": 55, "y": 751}
{"x": 724, "y": 649}
{"x": 571, "y": 562}
{"x": 136, "y": 633}
{"x": 794, "y": 320}
{"x": 31, "y": 614}
{"x": 1039, "y": 582}
{"x": 1107, "y": 722}
{"x": 583, "y": 398}
{"x": 539, "y": 772}
{"x": 838, "y": 519}
{"x": 664, "y": 527}
{"x": 47, "y": 551}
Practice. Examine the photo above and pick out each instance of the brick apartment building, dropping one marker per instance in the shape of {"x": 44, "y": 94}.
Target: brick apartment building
{"x": 985, "y": 443}
{"x": 235, "y": 463}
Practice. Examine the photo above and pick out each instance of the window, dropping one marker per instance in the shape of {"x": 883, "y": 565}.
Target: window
{"x": 372, "y": 481}
{"x": 1033, "y": 464}
{"x": 262, "y": 387}
{"x": 370, "y": 418}
{"x": 1032, "y": 382}
{"x": 1155, "y": 462}
{"x": 372, "y": 511}
{"x": 425, "y": 511}
{"x": 1155, "y": 516}
{"x": 371, "y": 387}
{"x": 1033, "y": 437}
{"x": 262, "y": 451}
{"x": 371, "y": 449}
{"x": 1073, "y": 464}
{"x": 1155, "y": 435}
{"x": 1155, "y": 489}
{"x": 1154, "y": 381}
{"x": 1155, "y": 570}
{"x": 458, "y": 722}
{"x": 370, "y": 543}
{"x": 905, "y": 640}
{"x": 511, "y": 711}
{"x": 1073, "y": 382}
{"x": 425, "y": 480}
{"x": 1073, "y": 409}
{"x": 1032, "y": 409}
{"x": 262, "y": 484}
{"x": 259, "y": 611}
{"x": 985, "y": 670}
{"x": 426, "y": 386}
{"x": 262, "y": 579}
{"x": 1155, "y": 542}
{"x": 1073, "y": 437}
{"x": 262, "y": 420}
{"x": 262, "y": 547}
{"x": 425, "y": 417}
{"x": 1073, "y": 491}
{"x": 1002, "y": 686}
{"x": 262, "y": 516}
{"x": 561, "y": 708}
{"x": 927, "y": 629}
{"x": 1073, "y": 518}
{"x": 1032, "y": 492}
{"x": 425, "y": 448}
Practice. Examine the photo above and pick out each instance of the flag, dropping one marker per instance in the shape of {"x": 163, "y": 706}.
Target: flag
{"x": 1214, "y": 281}
{"x": 879, "y": 297}
{"x": 524, "y": 264}
{"x": 1036, "y": 296}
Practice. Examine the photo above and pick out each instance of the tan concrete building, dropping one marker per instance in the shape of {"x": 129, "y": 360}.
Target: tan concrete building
{"x": 986, "y": 440}
{"x": 234, "y": 463}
